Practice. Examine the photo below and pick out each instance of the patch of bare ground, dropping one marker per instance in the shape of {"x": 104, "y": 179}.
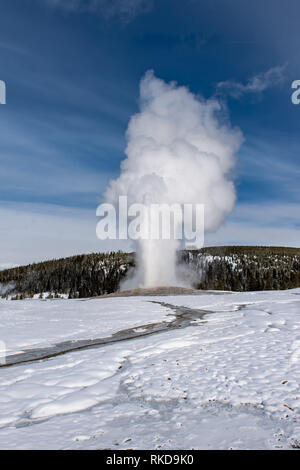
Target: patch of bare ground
{"x": 160, "y": 290}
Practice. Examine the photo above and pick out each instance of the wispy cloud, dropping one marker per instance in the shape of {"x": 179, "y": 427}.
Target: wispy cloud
{"x": 6, "y": 46}
{"x": 69, "y": 147}
{"x": 265, "y": 224}
{"x": 255, "y": 85}
{"x": 36, "y": 232}
{"x": 271, "y": 167}
{"x": 123, "y": 10}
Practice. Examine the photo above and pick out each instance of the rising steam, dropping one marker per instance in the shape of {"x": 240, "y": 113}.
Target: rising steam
{"x": 181, "y": 149}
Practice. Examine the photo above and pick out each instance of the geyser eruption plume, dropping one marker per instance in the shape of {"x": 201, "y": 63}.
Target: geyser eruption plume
{"x": 180, "y": 150}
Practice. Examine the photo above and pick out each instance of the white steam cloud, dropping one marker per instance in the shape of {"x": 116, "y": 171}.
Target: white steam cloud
{"x": 181, "y": 149}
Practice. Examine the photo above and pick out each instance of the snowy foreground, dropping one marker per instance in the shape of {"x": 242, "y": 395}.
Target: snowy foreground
{"x": 228, "y": 380}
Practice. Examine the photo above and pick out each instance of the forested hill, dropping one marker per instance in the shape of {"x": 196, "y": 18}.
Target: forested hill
{"x": 238, "y": 268}
{"x": 245, "y": 268}
{"x": 77, "y": 276}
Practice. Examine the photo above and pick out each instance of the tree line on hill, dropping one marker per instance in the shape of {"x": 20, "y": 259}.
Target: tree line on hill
{"x": 232, "y": 268}
{"x": 239, "y": 268}
{"x": 78, "y": 276}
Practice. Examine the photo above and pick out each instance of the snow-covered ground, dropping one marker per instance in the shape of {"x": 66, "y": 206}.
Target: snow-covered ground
{"x": 229, "y": 380}
{"x": 37, "y": 323}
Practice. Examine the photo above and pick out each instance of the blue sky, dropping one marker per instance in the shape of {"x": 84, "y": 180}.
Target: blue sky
{"x": 72, "y": 71}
